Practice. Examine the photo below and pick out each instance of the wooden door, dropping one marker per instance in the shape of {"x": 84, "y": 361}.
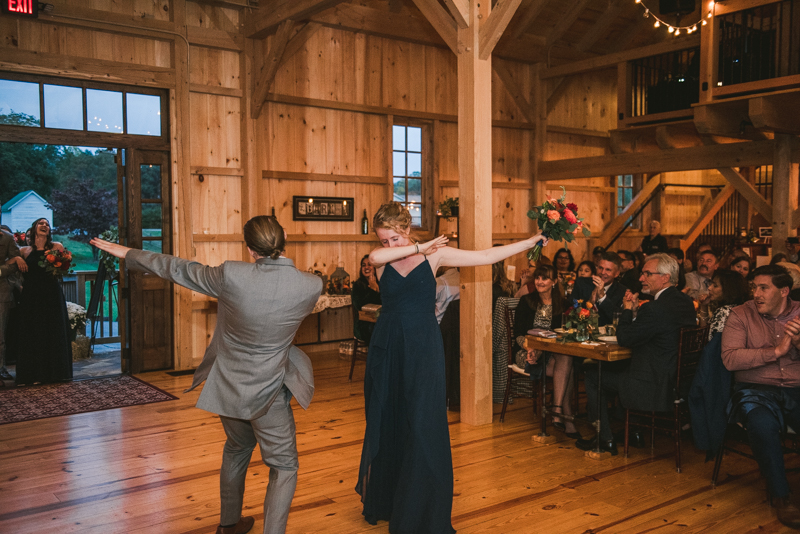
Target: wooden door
{"x": 147, "y": 209}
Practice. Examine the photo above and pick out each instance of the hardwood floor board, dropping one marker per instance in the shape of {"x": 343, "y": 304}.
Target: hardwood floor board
{"x": 155, "y": 468}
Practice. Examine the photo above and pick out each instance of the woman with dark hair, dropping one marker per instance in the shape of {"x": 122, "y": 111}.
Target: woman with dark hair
{"x": 741, "y": 265}
{"x": 365, "y": 291}
{"x": 727, "y": 290}
{"x": 46, "y": 356}
{"x": 586, "y": 269}
{"x": 543, "y": 308}
{"x": 564, "y": 264}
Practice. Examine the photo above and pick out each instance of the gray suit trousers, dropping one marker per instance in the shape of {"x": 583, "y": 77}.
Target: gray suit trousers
{"x": 275, "y": 434}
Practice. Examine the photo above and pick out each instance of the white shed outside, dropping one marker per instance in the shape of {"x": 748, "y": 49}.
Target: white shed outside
{"x": 20, "y": 212}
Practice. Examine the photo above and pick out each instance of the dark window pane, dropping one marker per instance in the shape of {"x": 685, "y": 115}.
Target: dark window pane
{"x": 629, "y": 180}
{"x": 63, "y": 107}
{"x": 19, "y": 103}
{"x": 144, "y": 114}
{"x": 151, "y": 181}
{"x": 151, "y": 220}
{"x": 628, "y": 196}
{"x": 104, "y": 111}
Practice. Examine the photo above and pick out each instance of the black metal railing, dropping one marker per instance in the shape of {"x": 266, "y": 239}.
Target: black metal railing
{"x": 759, "y": 43}
{"x": 666, "y": 82}
{"x": 721, "y": 231}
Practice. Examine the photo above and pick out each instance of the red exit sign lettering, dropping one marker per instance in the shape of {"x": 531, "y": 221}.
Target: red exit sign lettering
{"x": 25, "y": 8}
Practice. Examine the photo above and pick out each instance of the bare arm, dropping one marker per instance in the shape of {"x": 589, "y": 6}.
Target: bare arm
{"x": 453, "y": 257}
{"x": 381, "y": 256}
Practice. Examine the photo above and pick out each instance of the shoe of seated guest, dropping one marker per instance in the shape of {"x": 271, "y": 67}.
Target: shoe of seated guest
{"x": 591, "y": 444}
{"x": 242, "y": 527}
{"x": 788, "y": 512}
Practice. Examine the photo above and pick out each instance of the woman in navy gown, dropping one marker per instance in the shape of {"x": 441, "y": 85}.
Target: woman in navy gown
{"x": 406, "y": 472}
{"x": 47, "y": 356}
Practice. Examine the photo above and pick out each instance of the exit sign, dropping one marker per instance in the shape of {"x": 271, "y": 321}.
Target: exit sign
{"x": 24, "y": 8}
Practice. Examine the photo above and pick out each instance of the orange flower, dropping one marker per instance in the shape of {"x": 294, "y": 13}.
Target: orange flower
{"x": 57, "y": 264}
{"x": 553, "y": 215}
{"x": 584, "y": 313}
{"x": 588, "y": 305}
{"x": 51, "y": 258}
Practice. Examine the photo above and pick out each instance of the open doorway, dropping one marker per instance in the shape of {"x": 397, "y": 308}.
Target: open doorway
{"x": 76, "y": 190}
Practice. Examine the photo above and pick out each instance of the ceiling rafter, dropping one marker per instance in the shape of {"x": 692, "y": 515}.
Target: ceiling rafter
{"x": 492, "y": 29}
{"x": 267, "y": 19}
{"x": 514, "y": 90}
{"x": 460, "y": 11}
{"x": 528, "y": 15}
{"x": 442, "y": 22}
{"x": 601, "y": 25}
{"x": 567, "y": 20}
{"x": 269, "y": 68}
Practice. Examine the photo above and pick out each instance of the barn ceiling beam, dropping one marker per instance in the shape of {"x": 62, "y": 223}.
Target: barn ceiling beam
{"x": 776, "y": 113}
{"x": 266, "y": 73}
{"x": 442, "y": 22}
{"x": 528, "y": 14}
{"x": 300, "y": 39}
{"x": 268, "y": 19}
{"x": 460, "y": 11}
{"x": 565, "y": 21}
{"x": 615, "y": 226}
{"x": 601, "y": 25}
{"x": 711, "y": 208}
{"x": 492, "y": 29}
{"x": 514, "y": 90}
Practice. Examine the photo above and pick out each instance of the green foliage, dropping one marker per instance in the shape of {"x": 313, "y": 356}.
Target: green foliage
{"x": 446, "y": 206}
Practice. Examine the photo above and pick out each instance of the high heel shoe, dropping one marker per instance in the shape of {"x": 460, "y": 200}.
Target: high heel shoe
{"x": 559, "y": 425}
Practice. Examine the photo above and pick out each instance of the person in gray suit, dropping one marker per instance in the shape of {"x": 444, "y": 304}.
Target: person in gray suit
{"x": 251, "y": 368}
{"x": 12, "y": 262}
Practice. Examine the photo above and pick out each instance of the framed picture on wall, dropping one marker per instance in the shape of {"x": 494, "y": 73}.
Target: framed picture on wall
{"x": 765, "y": 231}
{"x": 322, "y": 208}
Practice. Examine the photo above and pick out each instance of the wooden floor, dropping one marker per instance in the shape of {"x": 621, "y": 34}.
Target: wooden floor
{"x": 155, "y": 469}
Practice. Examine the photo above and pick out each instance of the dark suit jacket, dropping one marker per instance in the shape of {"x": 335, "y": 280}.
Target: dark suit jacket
{"x": 613, "y": 302}
{"x": 648, "y": 382}
{"x": 8, "y": 250}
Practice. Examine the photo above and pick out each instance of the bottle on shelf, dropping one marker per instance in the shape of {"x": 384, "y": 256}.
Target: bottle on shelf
{"x": 364, "y": 224}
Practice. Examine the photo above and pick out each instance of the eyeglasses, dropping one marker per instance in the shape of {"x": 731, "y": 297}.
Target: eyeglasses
{"x": 648, "y": 273}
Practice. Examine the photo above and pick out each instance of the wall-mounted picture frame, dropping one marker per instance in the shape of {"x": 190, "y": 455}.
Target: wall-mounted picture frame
{"x": 765, "y": 231}
{"x": 322, "y": 208}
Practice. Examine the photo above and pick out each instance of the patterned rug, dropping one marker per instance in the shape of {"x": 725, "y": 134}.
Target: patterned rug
{"x": 52, "y": 400}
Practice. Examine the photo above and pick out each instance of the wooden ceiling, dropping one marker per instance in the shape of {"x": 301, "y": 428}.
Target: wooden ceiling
{"x": 550, "y": 31}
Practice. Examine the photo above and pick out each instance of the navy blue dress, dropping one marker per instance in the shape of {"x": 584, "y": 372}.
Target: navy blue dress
{"x": 406, "y": 474}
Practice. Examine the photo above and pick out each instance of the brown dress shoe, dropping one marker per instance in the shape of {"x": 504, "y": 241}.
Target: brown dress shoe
{"x": 788, "y": 512}
{"x": 242, "y": 527}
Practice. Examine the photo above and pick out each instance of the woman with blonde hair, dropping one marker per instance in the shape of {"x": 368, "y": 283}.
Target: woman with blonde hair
{"x": 406, "y": 473}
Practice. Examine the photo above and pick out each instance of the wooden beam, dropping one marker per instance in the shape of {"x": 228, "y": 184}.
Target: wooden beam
{"x": 746, "y": 189}
{"x": 216, "y": 171}
{"x": 217, "y": 238}
{"x": 565, "y": 20}
{"x": 211, "y": 38}
{"x": 601, "y": 25}
{"x": 330, "y": 238}
{"x": 616, "y": 224}
{"x": 710, "y": 209}
{"x": 682, "y": 135}
{"x": 776, "y": 113}
{"x": 320, "y": 177}
{"x": 495, "y": 185}
{"x": 441, "y": 21}
{"x": 581, "y": 132}
{"x": 727, "y": 118}
{"x": 607, "y": 61}
{"x": 215, "y": 90}
{"x": 492, "y": 29}
{"x": 581, "y": 188}
{"x": 513, "y": 88}
{"x": 747, "y": 154}
{"x": 528, "y": 15}
{"x": 796, "y": 219}
{"x": 475, "y": 200}
{"x": 558, "y": 89}
{"x": 460, "y": 10}
{"x": 269, "y": 17}
{"x": 263, "y": 78}
{"x": 785, "y": 180}
{"x": 300, "y": 39}
{"x": 633, "y": 141}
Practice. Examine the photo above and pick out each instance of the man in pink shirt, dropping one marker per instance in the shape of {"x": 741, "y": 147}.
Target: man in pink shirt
{"x": 761, "y": 344}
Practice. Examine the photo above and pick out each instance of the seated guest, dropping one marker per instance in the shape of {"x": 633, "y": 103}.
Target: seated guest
{"x": 761, "y": 344}
{"x": 780, "y": 257}
{"x": 596, "y": 252}
{"x": 447, "y": 290}
{"x": 794, "y": 272}
{"x": 564, "y": 264}
{"x": 603, "y": 289}
{"x": 543, "y": 308}
{"x": 586, "y": 269}
{"x": 501, "y": 285}
{"x": 644, "y": 382}
{"x": 793, "y": 249}
{"x": 697, "y": 282}
{"x": 727, "y": 290}
{"x": 679, "y": 256}
{"x": 741, "y": 265}
{"x": 365, "y": 291}
{"x": 655, "y": 242}
{"x": 526, "y": 277}
{"x": 629, "y": 276}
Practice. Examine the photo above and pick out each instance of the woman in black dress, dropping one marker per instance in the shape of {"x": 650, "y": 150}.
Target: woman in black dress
{"x": 365, "y": 291}
{"x": 46, "y": 356}
{"x": 406, "y": 473}
{"x": 543, "y": 309}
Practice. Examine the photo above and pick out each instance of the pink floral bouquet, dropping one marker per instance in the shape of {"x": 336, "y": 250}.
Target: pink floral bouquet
{"x": 21, "y": 239}
{"x": 558, "y": 220}
{"x": 57, "y": 262}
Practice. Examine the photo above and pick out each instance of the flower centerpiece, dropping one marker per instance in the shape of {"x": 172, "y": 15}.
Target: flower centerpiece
{"x": 77, "y": 319}
{"x": 21, "y": 239}
{"x": 582, "y": 316}
{"x": 56, "y": 261}
{"x": 558, "y": 220}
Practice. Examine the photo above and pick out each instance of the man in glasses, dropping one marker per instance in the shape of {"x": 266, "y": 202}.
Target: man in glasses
{"x": 644, "y": 382}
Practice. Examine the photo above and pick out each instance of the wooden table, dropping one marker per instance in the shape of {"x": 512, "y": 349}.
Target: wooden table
{"x": 605, "y": 352}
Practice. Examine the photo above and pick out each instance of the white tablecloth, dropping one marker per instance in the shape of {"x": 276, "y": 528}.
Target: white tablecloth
{"x": 332, "y": 301}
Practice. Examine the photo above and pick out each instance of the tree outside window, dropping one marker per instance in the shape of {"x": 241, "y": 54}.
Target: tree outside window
{"x": 409, "y": 171}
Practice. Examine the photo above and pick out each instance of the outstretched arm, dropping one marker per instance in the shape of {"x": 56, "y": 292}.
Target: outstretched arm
{"x": 381, "y": 256}
{"x": 453, "y": 257}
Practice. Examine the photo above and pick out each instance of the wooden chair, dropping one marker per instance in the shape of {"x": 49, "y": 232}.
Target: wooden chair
{"x": 357, "y": 344}
{"x": 690, "y": 347}
{"x": 514, "y": 371}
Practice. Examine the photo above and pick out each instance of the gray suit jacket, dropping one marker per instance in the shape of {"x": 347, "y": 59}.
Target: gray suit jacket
{"x": 8, "y": 250}
{"x": 251, "y": 355}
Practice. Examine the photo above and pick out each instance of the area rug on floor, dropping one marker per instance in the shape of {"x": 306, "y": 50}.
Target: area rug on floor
{"x": 51, "y": 400}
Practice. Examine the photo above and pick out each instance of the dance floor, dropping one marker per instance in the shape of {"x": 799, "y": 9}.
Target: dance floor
{"x": 154, "y": 468}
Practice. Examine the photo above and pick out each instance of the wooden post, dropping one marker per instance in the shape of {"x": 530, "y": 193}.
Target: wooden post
{"x": 784, "y": 186}
{"x": 475, "y": 188}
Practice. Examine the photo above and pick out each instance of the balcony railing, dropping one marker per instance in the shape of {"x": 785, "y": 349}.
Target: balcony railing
{"x": 759, "y": 43}
{"x": 666, "y": 82}
{"x": 78, "y": 287}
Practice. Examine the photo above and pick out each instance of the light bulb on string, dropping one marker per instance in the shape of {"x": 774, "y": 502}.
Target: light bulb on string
{"x": 691, "y": 28}
{"x": 657, "y": 24}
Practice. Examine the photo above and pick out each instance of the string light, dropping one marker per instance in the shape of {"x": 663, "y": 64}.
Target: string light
{"x": 676, "y": 30}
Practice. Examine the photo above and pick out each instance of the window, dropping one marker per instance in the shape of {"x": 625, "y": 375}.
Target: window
{"x": 628, "y": 187}
{"x": 81, "y": 106}
{"x": 408, "y": 170}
